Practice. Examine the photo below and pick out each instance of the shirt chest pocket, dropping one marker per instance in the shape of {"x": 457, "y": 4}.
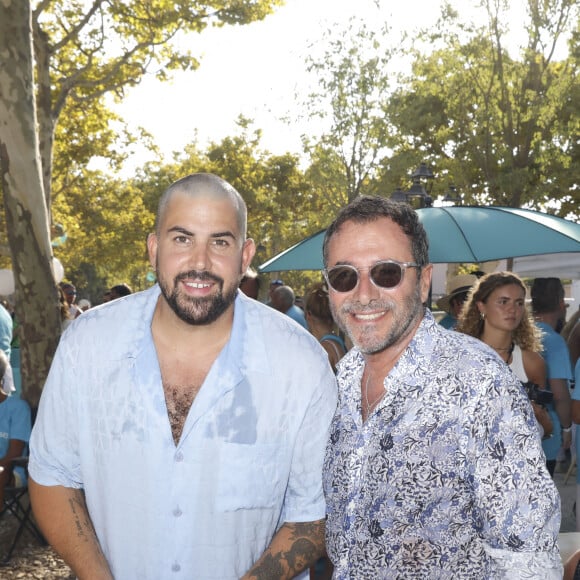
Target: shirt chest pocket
{"x": 252, "y": 476}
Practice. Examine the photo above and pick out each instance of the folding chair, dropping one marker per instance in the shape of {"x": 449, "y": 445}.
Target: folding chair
{"x": 17, "y": 503}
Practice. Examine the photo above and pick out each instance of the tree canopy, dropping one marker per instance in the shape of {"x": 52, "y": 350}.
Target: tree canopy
{"x": 353, "y": 90}
{"x": 61, "y": 57}
{"x": 495, "y": 122}
{"x": 499, "y": 126}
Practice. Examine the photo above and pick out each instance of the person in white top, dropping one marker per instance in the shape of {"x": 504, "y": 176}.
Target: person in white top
{"x": 496, "y": 313}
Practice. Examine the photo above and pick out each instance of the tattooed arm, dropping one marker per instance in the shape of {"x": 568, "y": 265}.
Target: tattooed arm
{"x": 294, "y": 548}
{"x": 61, "y": 513}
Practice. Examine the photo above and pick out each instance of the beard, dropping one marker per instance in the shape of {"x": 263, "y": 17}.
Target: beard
{"x": 369, "y": 340}
{"x": 197, "y": 311}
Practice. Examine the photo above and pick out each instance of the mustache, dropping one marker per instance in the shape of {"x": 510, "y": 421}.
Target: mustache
{"x": 202, "y": 275}
{"x": 372, "y": 306}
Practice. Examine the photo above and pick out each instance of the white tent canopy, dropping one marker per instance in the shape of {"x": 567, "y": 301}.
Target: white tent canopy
{"x": 565, "y": 266}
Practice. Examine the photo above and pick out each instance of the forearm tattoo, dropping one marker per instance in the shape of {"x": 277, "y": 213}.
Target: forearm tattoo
{"x": 86, "y": 552}
{"x": 82, "y": 521}
{"x": 306, "y": 546}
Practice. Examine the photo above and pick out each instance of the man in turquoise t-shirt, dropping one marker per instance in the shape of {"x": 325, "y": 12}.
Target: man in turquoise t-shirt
{"x": 549, "y": 309}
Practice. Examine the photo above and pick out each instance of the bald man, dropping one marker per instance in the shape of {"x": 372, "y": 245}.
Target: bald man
{"x": 284, "y": 300}
{"x": 181, "y": 431}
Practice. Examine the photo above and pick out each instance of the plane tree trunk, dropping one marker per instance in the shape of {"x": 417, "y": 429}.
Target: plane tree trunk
{"x": 24, "y": 200}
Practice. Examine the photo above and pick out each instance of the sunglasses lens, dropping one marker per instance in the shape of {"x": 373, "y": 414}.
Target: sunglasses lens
{"x": 383, "y": 275}
{"x": 342, "y": 278}
{"x": 387, "y": 274}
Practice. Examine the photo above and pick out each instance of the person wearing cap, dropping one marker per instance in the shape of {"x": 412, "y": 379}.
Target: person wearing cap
{"x": 452, "y": 302}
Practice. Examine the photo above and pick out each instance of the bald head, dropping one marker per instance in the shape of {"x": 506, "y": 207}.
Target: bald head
{"x": 204, "y": 185}
{"x": 283, "y": 298}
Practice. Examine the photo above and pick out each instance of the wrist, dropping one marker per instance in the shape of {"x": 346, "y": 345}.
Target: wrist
{"x": 567, "y": 429}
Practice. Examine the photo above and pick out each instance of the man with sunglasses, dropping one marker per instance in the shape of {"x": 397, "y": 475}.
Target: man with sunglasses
{"x": 434, "y": 467}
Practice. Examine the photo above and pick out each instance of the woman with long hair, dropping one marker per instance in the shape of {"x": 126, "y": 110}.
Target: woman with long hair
{"x": 496, "y": 313}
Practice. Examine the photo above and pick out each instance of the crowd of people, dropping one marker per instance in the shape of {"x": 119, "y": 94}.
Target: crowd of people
{"x": 231, "y": 429}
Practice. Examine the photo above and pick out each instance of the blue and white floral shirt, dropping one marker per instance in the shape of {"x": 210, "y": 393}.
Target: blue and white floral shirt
{"x": 446, "y": 478}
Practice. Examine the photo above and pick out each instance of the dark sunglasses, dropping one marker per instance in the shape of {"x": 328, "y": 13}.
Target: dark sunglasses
{"x": 385, "y": 274}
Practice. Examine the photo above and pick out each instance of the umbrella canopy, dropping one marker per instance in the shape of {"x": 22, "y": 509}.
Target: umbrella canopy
{"x": 468, "y": 234}
{"x": 305, "y": 255}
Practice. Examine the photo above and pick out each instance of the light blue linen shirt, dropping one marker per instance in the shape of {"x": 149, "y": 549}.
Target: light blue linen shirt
{"x": 249, "y": 458}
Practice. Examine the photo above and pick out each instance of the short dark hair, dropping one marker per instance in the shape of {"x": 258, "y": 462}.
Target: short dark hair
{"x": 369, "y": 208}
{"x": 547, "y": 295}
{"x": 68, "y": 288}
{"x": 121, "y": 290}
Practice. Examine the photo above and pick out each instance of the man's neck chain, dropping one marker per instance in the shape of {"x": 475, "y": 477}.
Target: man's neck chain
{"x": 370, "y": 405}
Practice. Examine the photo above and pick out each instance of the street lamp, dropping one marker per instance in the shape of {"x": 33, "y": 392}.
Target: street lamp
{"x": 399, "y": 196}
{"x": 452, "y": 197}
{"x": 417, "y": 196}
{"x": 423, "y": 172}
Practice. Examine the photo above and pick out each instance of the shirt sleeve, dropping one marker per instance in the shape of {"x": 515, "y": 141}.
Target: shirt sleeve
{"x": 304, "y": 500}
{"x": 557, "y": 357}
{"x": 517, "y": 503}
{"x": 54, "y": 457}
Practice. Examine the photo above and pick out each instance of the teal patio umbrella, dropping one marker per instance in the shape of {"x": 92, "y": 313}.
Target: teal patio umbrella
{"x": 467, "y": 234}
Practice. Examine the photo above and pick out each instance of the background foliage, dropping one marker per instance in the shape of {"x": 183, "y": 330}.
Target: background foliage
{"x": 501, "y": 127}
